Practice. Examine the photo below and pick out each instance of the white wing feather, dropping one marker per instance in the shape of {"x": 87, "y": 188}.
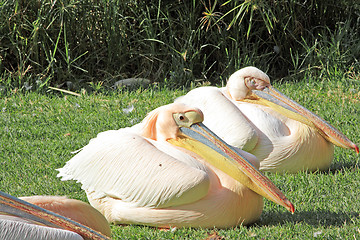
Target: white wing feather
{"x": 143, "y": 172}
{"x": 209, "y": 100}
{"x": 16, "y": 228}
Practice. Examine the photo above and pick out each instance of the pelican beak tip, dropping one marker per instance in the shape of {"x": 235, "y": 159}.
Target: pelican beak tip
{"x": 292, "y": 208}
{"x": 356, "y": 149}
{"x": 288, "y": 205}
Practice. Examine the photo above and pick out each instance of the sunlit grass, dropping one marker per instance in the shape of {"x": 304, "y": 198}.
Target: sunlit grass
{"x": 39, "y": 131}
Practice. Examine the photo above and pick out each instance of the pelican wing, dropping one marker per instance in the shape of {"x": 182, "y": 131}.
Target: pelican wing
{"x": 18, "y": 228}
{"x": 123, "y": 165}
{"x": 219, "y": 111}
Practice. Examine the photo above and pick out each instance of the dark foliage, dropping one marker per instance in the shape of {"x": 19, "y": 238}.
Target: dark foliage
{"x": 71, "y": 43}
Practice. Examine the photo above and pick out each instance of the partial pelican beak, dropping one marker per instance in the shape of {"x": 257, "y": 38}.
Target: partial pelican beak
{"x": 14, "y": 206}
{"x": 294, "y": 110}
{"x": 200, "y": 140}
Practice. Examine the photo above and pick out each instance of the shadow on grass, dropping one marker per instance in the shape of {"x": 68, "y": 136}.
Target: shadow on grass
{"x": 314, "y": 218}
{"x": 342, "y": 166}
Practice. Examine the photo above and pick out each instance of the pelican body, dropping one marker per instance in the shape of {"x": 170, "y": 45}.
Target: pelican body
{"x": 35, "y": 218}
{"x": 252, "y": 115}
{"x": 171, "y": 171}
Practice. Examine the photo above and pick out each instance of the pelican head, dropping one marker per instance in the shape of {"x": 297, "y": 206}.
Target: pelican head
{"x": 243, "y": 81}
{"x": 253, "y": 85}
{"x": 182, "y": 126}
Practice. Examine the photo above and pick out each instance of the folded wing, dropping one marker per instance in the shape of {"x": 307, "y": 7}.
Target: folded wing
{"x": 152, "y": 174}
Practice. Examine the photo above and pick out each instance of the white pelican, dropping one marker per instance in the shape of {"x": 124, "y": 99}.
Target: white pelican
{"x": 252, "y": 115}
{"x": 172, "y": 173}
{"x": 42, "y": 217}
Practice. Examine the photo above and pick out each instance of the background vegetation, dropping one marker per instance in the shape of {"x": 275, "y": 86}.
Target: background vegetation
{"x": 71, "y": 43}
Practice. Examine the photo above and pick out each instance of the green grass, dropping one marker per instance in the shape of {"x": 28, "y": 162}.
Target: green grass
{"x": 39, "y": 131}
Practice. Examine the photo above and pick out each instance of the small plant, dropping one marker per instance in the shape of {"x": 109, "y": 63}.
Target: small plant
{"x": 96, "y": 86}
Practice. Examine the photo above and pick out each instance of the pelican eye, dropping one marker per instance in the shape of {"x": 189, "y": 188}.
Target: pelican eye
{"x": 187, "y": 119}
{"x": 250, "y": 82}
{"x": 182, "y": 117}
{"x": 256, "y": 84}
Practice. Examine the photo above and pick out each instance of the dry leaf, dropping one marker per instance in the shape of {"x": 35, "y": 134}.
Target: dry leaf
{"x": 215, "y": 236}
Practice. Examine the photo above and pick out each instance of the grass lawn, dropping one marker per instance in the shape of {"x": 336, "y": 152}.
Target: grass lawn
{"x": 39, "y": 131}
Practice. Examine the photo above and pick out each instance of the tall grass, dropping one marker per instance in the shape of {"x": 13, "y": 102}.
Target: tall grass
{"x": 80, "y": 43}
